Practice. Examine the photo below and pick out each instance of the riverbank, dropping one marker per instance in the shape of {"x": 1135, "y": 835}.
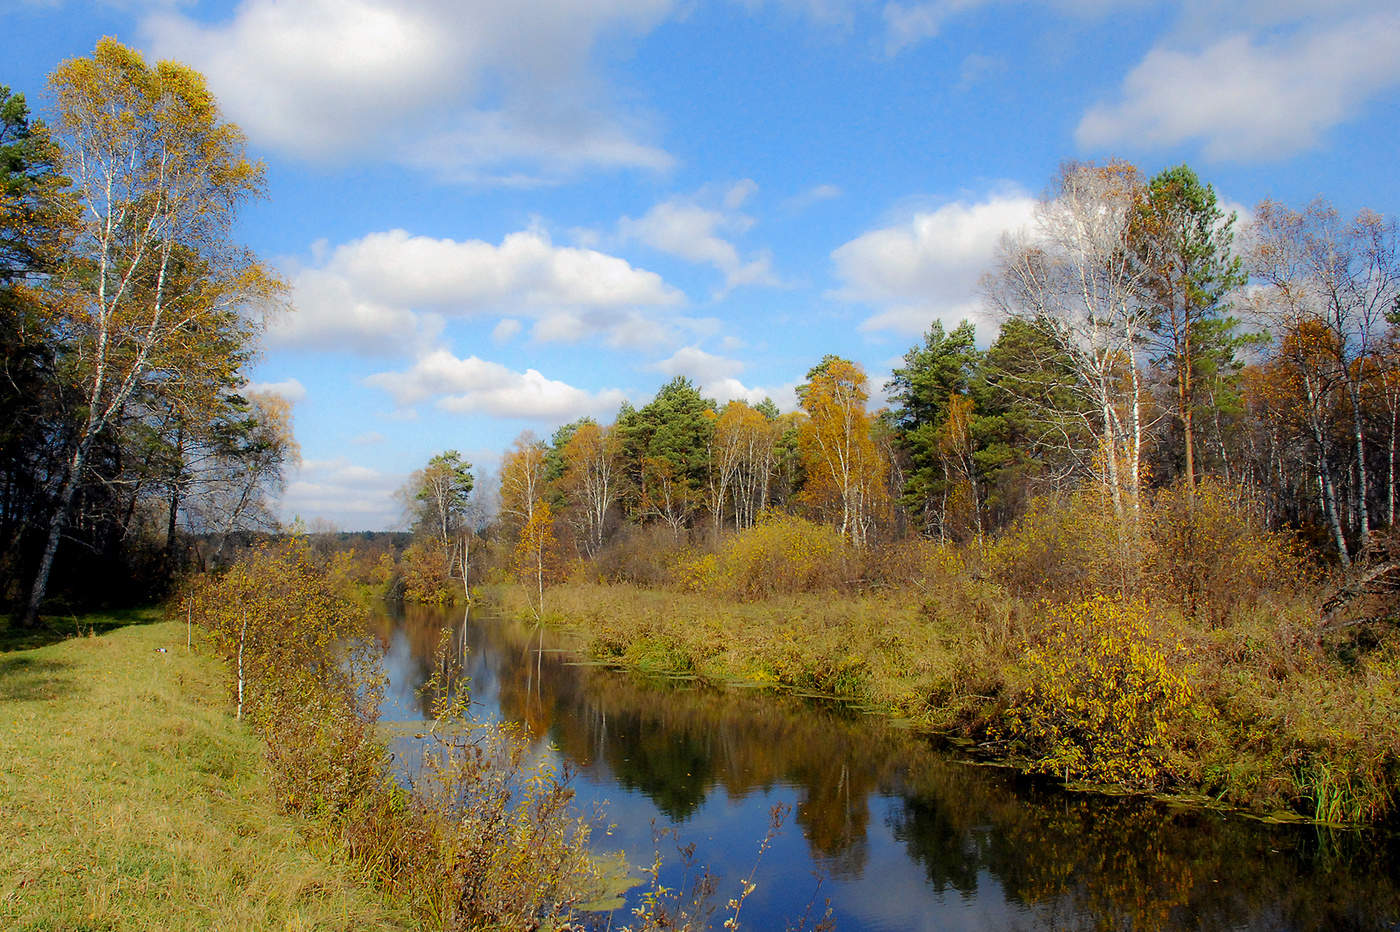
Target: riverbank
{"x": 133, "y": 800}
{"x": 1247, "y": 712}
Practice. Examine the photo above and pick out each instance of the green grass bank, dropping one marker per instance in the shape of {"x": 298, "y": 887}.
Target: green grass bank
{"x": 132, "y": 799}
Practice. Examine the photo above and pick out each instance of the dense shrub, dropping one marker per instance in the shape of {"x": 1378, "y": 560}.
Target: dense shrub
{"x": 1212, "y": 555}
{"x": 424, "y": 574}
{"x": 1101, "y": 698}
{"x": 1066, "y": 548}
{"x": 643, "y": 555}
{"x": 781, "y": 554}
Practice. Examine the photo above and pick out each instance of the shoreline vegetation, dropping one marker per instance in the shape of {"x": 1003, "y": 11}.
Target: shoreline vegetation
{"x": 1219, "y": 684}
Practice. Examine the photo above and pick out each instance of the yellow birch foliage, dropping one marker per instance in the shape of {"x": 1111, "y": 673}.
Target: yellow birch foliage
{"x": 1101, "y": 696}
{"x": 845, "y": 468}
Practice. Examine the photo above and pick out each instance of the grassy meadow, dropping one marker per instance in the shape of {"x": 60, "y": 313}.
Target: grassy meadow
{"x": 134, "y": 800}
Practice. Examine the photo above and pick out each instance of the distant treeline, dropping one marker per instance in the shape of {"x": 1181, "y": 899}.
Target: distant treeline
{"x": 1147, "y": 340}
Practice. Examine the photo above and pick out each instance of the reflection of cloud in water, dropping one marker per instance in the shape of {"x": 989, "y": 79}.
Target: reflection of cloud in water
{"x": 909, "y": 838}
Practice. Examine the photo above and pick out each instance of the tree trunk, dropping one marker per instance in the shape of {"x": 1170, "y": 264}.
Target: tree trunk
{"x": 1329, "y": 492}
{"x": 1390, "y": 470}
{"x": 56, "y": 523}
{"x": 1363, "y": 514}
{"x": 1184, "y": 407}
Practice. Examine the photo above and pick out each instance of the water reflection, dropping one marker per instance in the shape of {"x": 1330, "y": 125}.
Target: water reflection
{"x": 910, "y": 837}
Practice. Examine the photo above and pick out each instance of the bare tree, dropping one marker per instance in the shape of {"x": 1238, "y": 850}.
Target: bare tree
{"x": 1073, "y": 276}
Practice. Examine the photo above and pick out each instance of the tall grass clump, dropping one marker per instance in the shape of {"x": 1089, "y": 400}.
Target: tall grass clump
{"x": 482, "y": 838}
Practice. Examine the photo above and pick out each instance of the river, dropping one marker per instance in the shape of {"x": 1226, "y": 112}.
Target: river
{"x": 897, "y": 833}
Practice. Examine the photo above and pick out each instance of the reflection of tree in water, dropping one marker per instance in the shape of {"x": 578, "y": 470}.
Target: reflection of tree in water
{"x": 1085, "y": 861}
{"x": 674, "y": 768}
{"x": 1073, "y": 860}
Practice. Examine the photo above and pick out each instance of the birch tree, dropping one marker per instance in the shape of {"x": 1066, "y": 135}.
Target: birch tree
{"x": 523, "y": 478}
{"x": 1074, "y": 277}
{"x": 1325, "y": 287}
{"x": 158, "y": 178}
{"x": 844, "y": 465}
{"x": 592, "y": 479}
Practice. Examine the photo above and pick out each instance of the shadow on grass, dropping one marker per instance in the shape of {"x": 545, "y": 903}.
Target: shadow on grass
{"x": 55, "y": 628}
{"x": 25, "y": 679}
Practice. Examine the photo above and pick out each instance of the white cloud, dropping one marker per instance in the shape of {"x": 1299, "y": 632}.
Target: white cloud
{"x": 731, "y": 389}
{"x": 928, "y": 267}
{"x": 495, "y": 92}
{"x": 976, "y": 68}
{"x": 717, "y": 377}
{"x": 347, "y": 495}
{"x": 466, "y": 276}
{"x": 1244, "y": 97}
{"x": 474, "y": 385}
{"x": 329, "y": 312}
{"x": 368, "y": 438}
{"x": 739, "y": 192}
{"x": 389, "y": 292}
{"x": 691, "y": 228}
{"x": 505, "y": 331}
{"x": 290, "y": 388}
{"x": 909, "y": 24}
{"x": 695, "y": 363}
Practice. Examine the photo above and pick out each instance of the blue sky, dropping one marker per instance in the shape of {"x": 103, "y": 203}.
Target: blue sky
{"x": 501, "y": 216}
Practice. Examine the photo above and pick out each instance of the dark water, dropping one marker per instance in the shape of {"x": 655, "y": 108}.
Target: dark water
{"x": 903, "y": 836}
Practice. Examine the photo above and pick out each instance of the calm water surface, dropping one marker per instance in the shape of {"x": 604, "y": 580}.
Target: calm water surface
{"x": 900, "y": 834}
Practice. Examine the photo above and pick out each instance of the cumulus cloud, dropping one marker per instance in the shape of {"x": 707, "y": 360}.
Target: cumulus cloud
{"x": 928, "y": 267}
{"x": 290, "y": 389}
{"x": 505, "y": 331}
{"x": 347, "y": 495}
{"x": 1249, "y": 97}
{"x": 695, "y": 228}
{"x": 477, "y": 386}
{"x": 696, "y": 364}
{"x": 390, "y": 292}
{"x": 499, "y": 92}
{"x": 731, "y": 389}
{"x": 717, "y": 377}
{"x": 329, "y": 313}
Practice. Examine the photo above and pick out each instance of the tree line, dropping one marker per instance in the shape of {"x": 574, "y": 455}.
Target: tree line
{"x": 130, "y": 315}
{"x": 1148, "y": 338}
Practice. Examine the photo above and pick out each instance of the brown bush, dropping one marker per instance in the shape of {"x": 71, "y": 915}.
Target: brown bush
{"x": 1212, "y": 554}
{"x": 643, "y": 555}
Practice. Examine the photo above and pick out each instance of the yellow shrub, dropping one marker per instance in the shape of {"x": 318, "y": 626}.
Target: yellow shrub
{"x": 1101, "y": 696}
{"x": 780, "y": 554}
{"x": 1064, "y": 548}
{"x": 424, "y": 571}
